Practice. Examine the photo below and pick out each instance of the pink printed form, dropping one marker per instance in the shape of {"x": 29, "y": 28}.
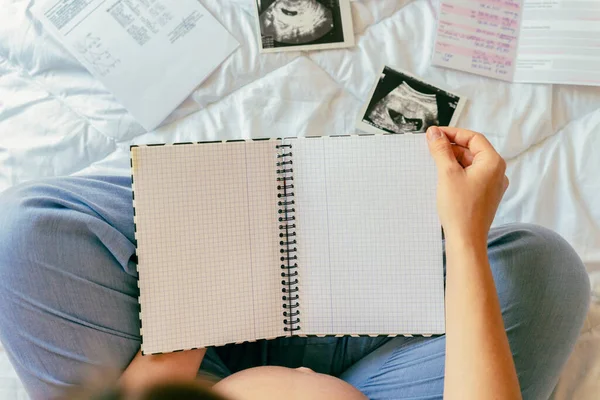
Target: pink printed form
{"x": 480, "y": 37}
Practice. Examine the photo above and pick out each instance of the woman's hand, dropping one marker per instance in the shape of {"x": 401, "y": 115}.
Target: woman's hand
{"x": 146, "y": 371}
{"x": 471, "y": 182}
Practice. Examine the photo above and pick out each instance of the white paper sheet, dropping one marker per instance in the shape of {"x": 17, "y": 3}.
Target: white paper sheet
{"x": 368, "y": 234}
{"x": 526, "y": 41}
{"x": 559, "y": 43}
{"x": 150, "y": 54}
{"x": 480, "y": 37}
{"x": 207, "y": 244}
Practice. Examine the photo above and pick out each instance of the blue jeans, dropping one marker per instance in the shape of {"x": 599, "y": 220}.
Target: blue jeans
{"x": 68, "y": 301}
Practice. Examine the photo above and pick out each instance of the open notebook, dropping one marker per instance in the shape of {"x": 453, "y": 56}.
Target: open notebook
{"x": 246, "y": 240}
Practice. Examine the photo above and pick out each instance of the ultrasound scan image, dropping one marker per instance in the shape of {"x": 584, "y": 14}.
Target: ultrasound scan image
{"x": 405, "y": 110}
{"x": 296, "y": 21}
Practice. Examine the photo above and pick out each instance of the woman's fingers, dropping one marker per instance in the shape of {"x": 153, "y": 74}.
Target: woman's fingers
{"x": 463, "y": 155}
{"x": 474, "y": 141}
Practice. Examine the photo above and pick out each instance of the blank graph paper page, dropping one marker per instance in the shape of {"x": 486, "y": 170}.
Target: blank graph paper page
{"x": 207, "y": 244}
{"x": 369, "y": 238}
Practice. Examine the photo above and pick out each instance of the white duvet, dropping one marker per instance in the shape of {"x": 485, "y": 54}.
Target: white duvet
{"x": 55, "y": 119}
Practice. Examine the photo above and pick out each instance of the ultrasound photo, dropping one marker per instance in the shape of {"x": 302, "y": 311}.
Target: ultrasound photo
{"x": 402, "y": 103}
{"x": 293, "y": 25}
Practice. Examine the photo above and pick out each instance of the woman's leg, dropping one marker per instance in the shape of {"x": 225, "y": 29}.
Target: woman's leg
{"x": 68, "y": 281}
{"x": 68, "y": 297}
{"x": 68, "y": 284}
{"x": 544, "y": 294}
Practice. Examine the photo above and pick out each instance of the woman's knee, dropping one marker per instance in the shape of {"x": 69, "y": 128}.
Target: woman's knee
{"x": 544, "y": 293}
{"x": 541, "y": 266}
{"x": 19, "y": 224}
{"x": 27, "y": 242}
{"x": 56, "y": 219}
{"x": 66, "y": 281}
{"x": 541, "y": 281}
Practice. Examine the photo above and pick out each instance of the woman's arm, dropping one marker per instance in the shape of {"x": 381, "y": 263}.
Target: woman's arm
{"x": 471, "y": 183}
{"x": 145, "y": 371}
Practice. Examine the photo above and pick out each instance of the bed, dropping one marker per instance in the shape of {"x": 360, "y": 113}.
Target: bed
{"x": 55, "y": 119}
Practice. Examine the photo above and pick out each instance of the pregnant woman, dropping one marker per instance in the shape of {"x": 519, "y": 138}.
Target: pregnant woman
{"x": 516, "y": 298}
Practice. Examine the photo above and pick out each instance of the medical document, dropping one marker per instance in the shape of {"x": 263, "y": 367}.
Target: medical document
{"x": 151, "y": 54}
{"x": 526, "y": 41}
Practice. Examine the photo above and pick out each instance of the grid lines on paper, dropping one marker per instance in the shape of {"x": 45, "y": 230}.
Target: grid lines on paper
{"x": 371, "y": 240}
{"x": 196, "y": 256}
{"x": 263, "y": 229}
{"x": 312, "y": 235}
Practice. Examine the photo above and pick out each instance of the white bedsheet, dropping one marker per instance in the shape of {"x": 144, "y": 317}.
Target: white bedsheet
{"x": 55, "y": 119}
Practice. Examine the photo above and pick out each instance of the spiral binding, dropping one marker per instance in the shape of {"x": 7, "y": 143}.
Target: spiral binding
{"x": 287, "y": 235}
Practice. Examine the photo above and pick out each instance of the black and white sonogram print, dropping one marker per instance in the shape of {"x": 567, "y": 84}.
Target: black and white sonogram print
{"x": 404, "y": 104}
{"x": 285, "y": 23}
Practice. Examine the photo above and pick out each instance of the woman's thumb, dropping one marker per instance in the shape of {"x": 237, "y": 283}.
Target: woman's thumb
{"x": 440, "y": 147}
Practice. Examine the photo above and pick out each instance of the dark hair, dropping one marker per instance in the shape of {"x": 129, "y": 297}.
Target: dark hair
{"x": 163, "y": 391}
{"x": 180, "y": 392}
